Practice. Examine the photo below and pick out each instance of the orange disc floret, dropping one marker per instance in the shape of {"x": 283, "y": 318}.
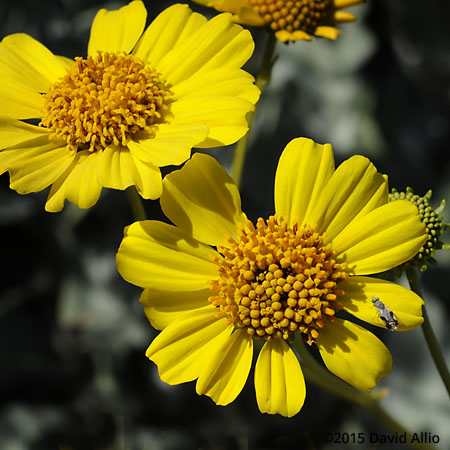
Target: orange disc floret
{"x": 291, "y": 15}
{"x": 103, "y": 101}
{"x": 276, "y": 279}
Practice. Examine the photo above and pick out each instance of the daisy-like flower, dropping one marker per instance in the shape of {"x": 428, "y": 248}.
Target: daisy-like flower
{"x": 215, "y": 281}
{"x": 290, "y": 20}
{"x": 139, "y": 101}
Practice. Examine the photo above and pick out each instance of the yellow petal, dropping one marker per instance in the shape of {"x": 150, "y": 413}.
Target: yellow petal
{"x": 343, "y": 16}
{"x": 224, "y": 374}
{"x": 283, "y": 35}
{"x": 161, "y": 256}
{"x": 164, "y": 307}
{"x": 217, "y": 43}
{"x": 118, "y": 169}
{"x": 327, "y": 32}
{"x": 242, "y": 12}
{"x": 171, "y": 145}
{"x": 19, "y": 101}
{"x": 14, "y": 132}
{"x": 245, "y": 15}
{"x": 119, "y": 30}
{"x": 208, "y": 218}
{"x": 78, "y": 184}
{"x": 378, "y": 198}
{"x": 228, "y": 81}
{"x": 404, "y": 303}
{"x": 181, "y": 350}
{"x": 355, "y": 189}
{"x": 300, "y": 35}
{"x": 170, "y": 27}
{"x": 279, "y": 383}
{"x": 297, "y": 35}
{"x": 181, "y": 44}
{"x": 28, "y": 62}
{"x": 224, "y": 116}
{"x": 222, "y": 5}
{"x": 385, "y": 238}
{"x": 340, "y": 4}
{"x": 35, "y": 164}
{"x": 303, "y": 170}
{"x": 66, "y": 62}
{"x": 354, "y": 354}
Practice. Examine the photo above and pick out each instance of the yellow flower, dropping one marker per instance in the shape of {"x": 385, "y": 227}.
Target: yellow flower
{"x": 138, "y": 102}
{"x": 275, "y": 279}
{"x": 291, "y": 20}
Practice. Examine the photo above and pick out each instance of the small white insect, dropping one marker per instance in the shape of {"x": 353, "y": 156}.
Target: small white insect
{"x": 386, "y": 315}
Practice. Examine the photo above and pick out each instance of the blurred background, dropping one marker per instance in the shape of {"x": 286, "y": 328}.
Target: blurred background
{"x": 73, "y": 335}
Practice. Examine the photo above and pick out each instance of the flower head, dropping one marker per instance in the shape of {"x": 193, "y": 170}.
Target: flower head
{"x": 215, "y": 281}
{"x": 140, "y": 100}
{"x": 290, "y": 20}
{"x": 433, "y": 222}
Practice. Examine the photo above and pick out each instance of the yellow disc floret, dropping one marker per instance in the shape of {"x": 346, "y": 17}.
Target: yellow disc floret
{"x": 275, "y": 280}
{"x": 104, "y": 100}
{"x": 291, "y": 15}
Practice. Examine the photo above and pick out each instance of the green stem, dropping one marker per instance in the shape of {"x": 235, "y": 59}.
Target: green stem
{"x": 262, "y": 80}
{"x": 137, "y": 206}
{"x": 316, "y": 374}
{"x": 430, "y": 337}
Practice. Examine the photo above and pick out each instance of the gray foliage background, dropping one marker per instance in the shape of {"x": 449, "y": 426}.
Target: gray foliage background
{"x": 72, "y": 333}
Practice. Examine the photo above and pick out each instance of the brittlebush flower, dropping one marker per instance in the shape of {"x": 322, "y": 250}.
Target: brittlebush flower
{"x": 290, "y": 20}
{"x": 139, "y": 101}
{"x": 215, "y": 281}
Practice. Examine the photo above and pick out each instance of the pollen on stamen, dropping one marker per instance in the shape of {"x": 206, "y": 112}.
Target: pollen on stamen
{"x": 275, "y": 280}
{"x": 105, "y": 100}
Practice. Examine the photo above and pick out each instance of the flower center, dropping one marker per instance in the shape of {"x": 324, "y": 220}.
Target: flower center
{"x": 104, "y": 100}
{"x": 275, "y": 280}
{"x": 291, "y": 15}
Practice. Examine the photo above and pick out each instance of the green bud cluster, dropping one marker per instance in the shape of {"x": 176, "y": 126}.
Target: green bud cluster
{"x": 433, "y": 223}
